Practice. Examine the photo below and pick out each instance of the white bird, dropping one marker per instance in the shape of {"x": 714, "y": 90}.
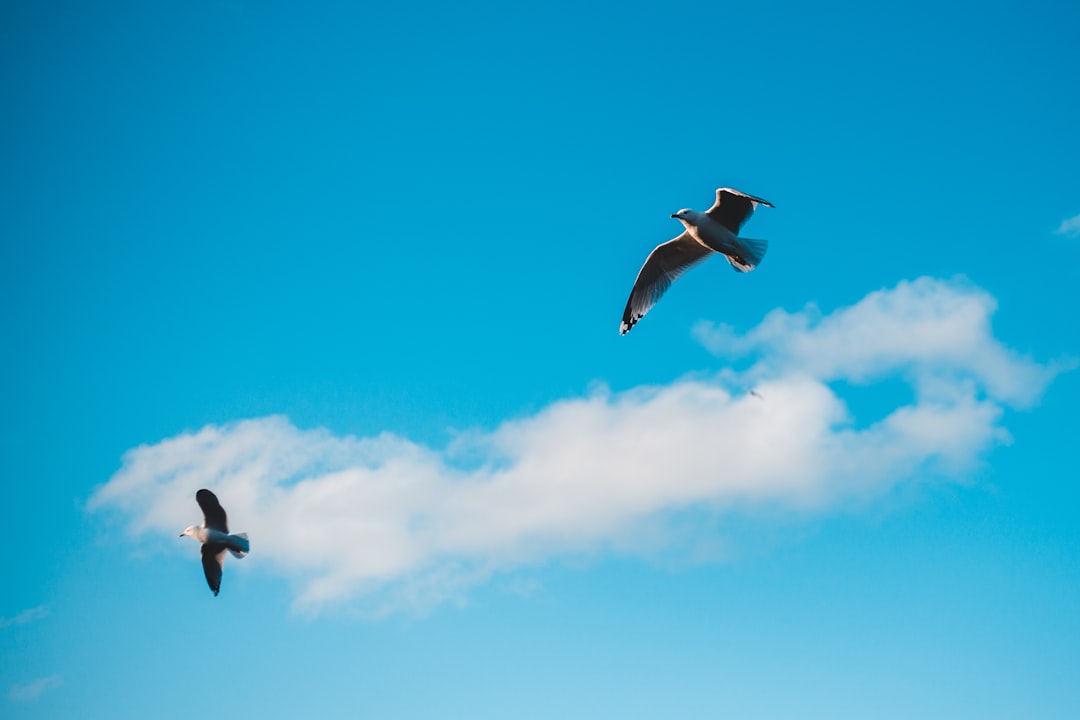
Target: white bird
{"x": 714, "y": 231}
{"x": 215, "y": 538}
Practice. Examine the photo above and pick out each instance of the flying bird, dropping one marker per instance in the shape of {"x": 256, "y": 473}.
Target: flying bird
{"x": 714, "y": 231}
{"x": 215, "y": 538}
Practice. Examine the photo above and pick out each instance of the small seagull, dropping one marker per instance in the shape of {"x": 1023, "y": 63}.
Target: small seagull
{"x": 714, "y": 231}
{"x": 215, "y": 538}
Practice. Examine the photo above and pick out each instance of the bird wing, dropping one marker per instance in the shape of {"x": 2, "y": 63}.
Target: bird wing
{"x": 663, "y": 266}
{"x": 213, "y": 513}
{"x": 213, "y": 560}
{"x": 733, "y": 208}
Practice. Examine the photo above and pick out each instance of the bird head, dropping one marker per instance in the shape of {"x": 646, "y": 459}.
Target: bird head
{"x": 686, "y": 216}
{"x": 190, "y": 531}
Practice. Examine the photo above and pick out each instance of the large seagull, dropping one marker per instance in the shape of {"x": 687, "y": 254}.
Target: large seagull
{"x": 714, "y": 231}
{"x": 215, "y": 538}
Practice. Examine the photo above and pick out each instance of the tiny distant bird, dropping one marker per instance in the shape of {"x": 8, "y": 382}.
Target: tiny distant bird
{"x": 714, "y": 231}
{"x": 215, "y": 538}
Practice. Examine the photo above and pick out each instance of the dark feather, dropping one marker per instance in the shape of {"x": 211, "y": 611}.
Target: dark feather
{"x": 213, "y": 556}
{"x": 732, "y": 208}
{"x": 213, "y": 513}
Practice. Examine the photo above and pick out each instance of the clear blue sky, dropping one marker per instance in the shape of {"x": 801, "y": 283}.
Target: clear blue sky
{"x": 359, "y": 268}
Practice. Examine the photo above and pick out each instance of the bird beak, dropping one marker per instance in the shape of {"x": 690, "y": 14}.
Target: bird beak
{"x": 675, "y": 215}
{"x": 181, "y": 534}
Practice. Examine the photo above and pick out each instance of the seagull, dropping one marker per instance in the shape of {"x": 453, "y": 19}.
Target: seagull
{"x": 215, "y": 538}
{"x": 714, "y": 231}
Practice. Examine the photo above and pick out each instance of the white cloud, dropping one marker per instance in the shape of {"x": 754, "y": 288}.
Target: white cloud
{"x": 934, "y": 332}
{"x": 384, "y": 517}
{"x": 1070, "y": 227}
{"x": 26, "y": 616}
{"x": 34, "y": 690}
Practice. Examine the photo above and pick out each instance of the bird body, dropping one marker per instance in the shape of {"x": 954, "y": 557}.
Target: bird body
{"x": 236, "y": 544}
{"x": 715, "y": 237}
{"x": 215, "y": 538}
{"x": 713, "y": 231}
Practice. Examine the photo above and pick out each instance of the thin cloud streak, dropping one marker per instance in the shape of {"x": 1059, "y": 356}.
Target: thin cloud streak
{"x": 383, "y": 517}
{"x": 26, "y": 616}
{"x": 1069, "y": 227}
{"x": 34, "y": 690}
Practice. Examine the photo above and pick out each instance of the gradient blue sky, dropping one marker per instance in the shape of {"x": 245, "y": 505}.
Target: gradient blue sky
{"x": 360, "y": 269}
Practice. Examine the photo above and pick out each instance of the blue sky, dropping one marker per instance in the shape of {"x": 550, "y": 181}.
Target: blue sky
{"x": 360, "y": 270}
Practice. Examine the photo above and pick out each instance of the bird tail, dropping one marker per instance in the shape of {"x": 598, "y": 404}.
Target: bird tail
{"x": 239, "y": 545}
{"x": 752, "y": 251}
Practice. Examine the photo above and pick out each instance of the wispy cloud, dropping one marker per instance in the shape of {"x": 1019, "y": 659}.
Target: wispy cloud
{"x": 1070, "y": 227}
{"x": 34, "y": 690}
{"x": 26, "y": 616}
{"x": 385, "y": 517}
{"x": 935, "y": 333}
